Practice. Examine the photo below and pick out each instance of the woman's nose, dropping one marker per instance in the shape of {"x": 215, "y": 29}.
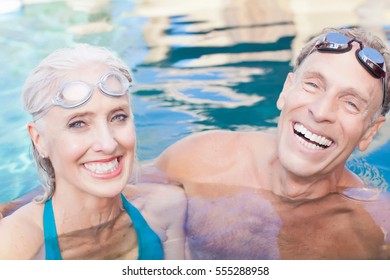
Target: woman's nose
{"x": 105, "y": 140}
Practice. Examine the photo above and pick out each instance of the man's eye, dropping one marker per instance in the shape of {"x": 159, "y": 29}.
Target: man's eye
{"x": 312, "y": 84}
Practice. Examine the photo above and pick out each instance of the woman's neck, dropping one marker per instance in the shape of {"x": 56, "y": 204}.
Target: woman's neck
{"x": 77, "y": 210}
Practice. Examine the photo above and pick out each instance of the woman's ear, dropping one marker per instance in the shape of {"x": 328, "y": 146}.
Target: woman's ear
{"x": 282, "y": 96}
{"x": 370, "y": 133}
{"x": 36, "y": 138}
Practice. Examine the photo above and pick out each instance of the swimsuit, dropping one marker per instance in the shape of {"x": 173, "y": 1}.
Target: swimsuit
{"x": 149, "y": 244}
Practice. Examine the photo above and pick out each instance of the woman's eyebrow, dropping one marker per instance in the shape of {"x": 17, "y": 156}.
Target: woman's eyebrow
{"x": 85, "y": 113}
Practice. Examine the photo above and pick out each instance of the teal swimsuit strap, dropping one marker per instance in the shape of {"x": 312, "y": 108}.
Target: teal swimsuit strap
{"x": 52, "y": 248}
{"x": 149, "y": 244}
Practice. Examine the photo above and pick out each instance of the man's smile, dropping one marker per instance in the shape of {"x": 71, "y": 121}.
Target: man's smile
{"x": 310, "y": 139}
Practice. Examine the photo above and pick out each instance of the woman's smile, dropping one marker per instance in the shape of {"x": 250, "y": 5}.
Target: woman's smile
{"x": 106, "y": 168}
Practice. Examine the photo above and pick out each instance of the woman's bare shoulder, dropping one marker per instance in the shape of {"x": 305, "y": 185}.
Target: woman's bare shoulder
{"x": 21, "y": 235}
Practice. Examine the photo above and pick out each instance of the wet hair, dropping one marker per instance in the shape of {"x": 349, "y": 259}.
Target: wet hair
{"x": 42, "y": 83}
{"x": 368, "y": 40}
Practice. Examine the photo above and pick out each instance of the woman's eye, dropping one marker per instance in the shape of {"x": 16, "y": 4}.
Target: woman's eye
{"x": 120, "y": 117}
{"x": 76, "y": 124}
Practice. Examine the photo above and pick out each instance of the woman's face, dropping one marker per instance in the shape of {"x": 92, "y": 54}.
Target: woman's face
{"x": 91, "y": 147}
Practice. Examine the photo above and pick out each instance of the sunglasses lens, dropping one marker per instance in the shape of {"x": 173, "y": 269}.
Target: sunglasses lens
{"x": 337, "y": 38}
{"x": 73, "y": 94}
{"x": 373, "y": 60}
{"x": 115, "y": 84}
{"x": 374, "y": 55}
{"x": 333, "y": 42}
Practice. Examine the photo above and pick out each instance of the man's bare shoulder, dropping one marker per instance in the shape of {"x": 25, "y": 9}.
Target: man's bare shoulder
{"x": 161, "y": 205}
{"x": 155, "y": 197}
{"x": 197, "y": 143}
{"x": 21, "y": 235}
{"x": 207, "y": 153}
{"x": 164, "y": 207}
{"x": 378, "y": 205}
{"x": 9, "y": 207}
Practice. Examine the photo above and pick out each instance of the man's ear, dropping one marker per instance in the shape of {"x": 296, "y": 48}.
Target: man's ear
{"x": 370, "y": 133}
{"x": 282, "y": 96}
{"x": 36, "y": 138}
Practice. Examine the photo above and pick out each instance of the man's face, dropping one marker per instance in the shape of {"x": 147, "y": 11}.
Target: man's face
{"x": 327, "y": 107}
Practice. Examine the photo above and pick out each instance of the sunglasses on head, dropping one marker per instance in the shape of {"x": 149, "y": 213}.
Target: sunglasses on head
{"x": 75, "y": 93}
{"x": 371, "y": 59}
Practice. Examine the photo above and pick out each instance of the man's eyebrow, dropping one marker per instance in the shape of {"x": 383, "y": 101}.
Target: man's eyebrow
{"x": 313, "y": 74}
{"x": 356, "y": 93}
{"x": 349, "y": 90}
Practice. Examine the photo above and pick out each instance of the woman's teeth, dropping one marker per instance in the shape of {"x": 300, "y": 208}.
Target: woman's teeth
{"x": 102, "y": 167}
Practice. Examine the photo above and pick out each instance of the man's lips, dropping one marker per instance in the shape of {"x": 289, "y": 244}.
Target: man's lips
{"x": 311, "y": 139}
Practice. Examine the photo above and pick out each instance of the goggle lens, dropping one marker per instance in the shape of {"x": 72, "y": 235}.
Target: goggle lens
{"x": 76, "y": 93}
{"x": 114, "y": 84}
{"x": 72, "y": 94}
{"x": 333, "y": 42}
{"x": 373, "y": 60}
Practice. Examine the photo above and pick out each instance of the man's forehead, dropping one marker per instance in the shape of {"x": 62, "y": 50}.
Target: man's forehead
{"x": 342, "y": 65}
{"x": 341, "y": 71}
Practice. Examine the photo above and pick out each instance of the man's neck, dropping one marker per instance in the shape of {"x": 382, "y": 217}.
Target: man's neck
{"x": 293, "y": 187}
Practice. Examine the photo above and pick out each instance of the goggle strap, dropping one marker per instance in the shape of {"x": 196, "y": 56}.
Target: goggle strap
{"x": 42, "y": 112}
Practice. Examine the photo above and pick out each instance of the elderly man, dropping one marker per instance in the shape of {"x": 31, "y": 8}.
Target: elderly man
{"x": 288, "y": 194}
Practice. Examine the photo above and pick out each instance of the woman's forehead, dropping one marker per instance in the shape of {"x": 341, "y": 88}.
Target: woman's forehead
{"x": 90, "y": 72}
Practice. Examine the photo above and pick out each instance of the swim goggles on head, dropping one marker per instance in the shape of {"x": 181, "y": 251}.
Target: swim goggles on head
{"x": 76, "y": 93}
{"x": 371, "y": 59}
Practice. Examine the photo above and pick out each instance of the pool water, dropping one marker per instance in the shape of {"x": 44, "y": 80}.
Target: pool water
{"x": 197, "y": 66}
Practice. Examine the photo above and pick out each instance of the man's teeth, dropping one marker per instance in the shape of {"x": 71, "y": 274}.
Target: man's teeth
{"x": 318, "y": 141}
{"x": 102, "y": 167}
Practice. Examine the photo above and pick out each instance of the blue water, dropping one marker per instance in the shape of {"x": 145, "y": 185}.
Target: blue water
{"x": 221, "y": 81}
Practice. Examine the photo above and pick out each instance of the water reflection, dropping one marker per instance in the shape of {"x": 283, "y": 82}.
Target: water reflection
{"x": 235, "y": 222}
{"x": 198, "y": 65}
{"x": 218, "y": 65}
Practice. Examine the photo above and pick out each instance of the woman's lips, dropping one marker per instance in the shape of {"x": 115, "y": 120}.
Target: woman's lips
{"x": 106, "y": 168}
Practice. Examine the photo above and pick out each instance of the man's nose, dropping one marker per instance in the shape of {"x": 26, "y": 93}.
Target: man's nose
{"x": 324, "y": 109}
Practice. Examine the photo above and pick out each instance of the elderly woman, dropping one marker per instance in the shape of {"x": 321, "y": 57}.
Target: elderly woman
{"x": 84, "y": 141}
